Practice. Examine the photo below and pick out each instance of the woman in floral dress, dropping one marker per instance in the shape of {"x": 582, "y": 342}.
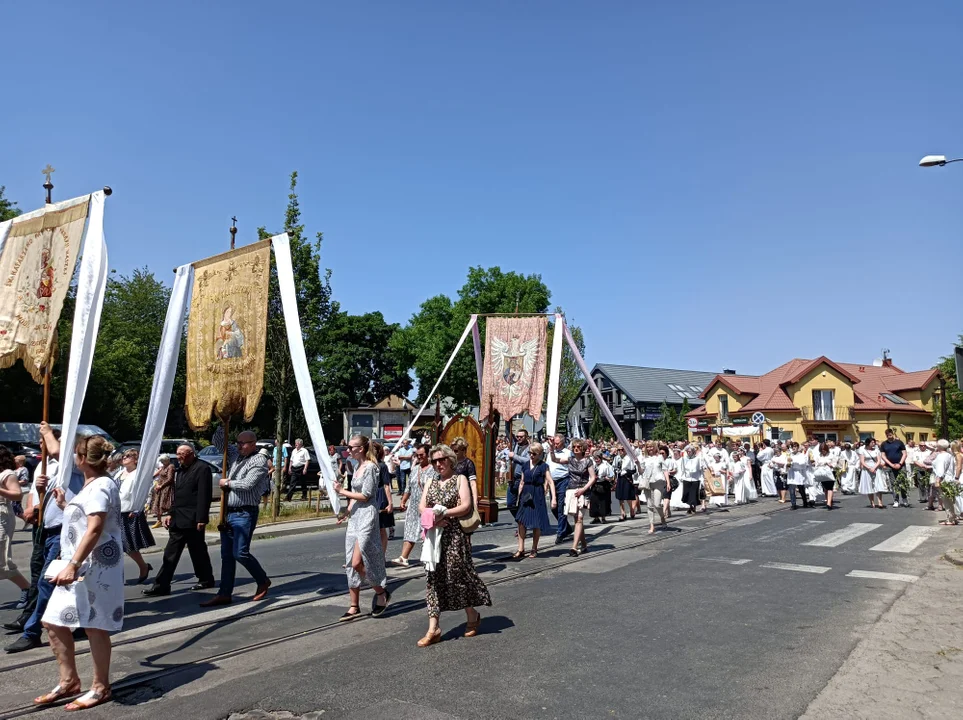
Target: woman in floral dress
{"x": 89, "y": 591}
{"x": 453, "y": 584}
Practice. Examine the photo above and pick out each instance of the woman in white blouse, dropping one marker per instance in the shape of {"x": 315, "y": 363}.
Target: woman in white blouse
{"x": 849, "y": 462}
{"x": 655, "y": 480}
{"x": 779, "y": 464}
{"x": 824, "y": 472}
{"x": 798, "y": 470}
{"x": 869, "y": 464}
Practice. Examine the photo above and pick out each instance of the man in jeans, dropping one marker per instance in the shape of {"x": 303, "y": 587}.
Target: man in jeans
{"x": 299, "y": 466}
{"x": 557, "y": 458}
{"x": 404, "y": 455}
{"x": 46, "y": 542}
{"x": 893, "y": 455}
{"x": 248, "y": 480}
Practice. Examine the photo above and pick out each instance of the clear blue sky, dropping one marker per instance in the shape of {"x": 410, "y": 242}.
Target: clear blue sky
{"x": 662, "y": 165}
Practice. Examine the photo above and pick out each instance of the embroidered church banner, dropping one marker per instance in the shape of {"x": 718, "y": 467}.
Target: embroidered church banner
{"x": 226, "y": 334}
{"x": 514, "y": 376}
{"x": 36, "y": 265}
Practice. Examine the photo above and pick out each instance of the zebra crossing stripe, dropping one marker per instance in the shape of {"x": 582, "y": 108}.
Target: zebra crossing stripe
{"x": 843, "y": 535}
{"x": 814, "y": 569}
{"x": 907, "y": 540}
{"x": 728, "y": 561}
{"x": 871, "y": 575}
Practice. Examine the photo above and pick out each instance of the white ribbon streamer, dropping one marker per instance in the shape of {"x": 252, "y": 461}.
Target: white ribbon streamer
{"x": 555, "y": 371}
{"x": 91, "y": 285}
{"x": 163, "y": 385}
{"x": 292, "y": 322}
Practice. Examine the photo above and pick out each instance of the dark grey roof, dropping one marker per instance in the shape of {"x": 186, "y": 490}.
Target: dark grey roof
{"x": 651, "y": 385}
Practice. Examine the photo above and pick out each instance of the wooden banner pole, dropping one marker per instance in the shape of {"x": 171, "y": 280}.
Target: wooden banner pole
{"x": 224, "y": 491}
{"x": 48, "y": 186}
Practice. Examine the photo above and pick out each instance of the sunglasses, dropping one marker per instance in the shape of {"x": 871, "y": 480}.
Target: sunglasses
{"x": 438, "y": 460}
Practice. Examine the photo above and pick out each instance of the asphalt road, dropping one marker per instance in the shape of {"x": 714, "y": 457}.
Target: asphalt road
{"x": 744, "y": 614}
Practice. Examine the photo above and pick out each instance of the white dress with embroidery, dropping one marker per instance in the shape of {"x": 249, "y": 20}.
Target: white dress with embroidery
{"x": 96, "y": 599}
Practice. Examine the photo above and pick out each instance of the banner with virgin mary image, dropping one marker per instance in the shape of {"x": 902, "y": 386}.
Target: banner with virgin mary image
{"x": 226, "y": 334}
{"x": 513, "y": 381}
{"x": 38, "y": 255}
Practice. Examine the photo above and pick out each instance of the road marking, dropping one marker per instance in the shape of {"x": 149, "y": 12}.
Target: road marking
{"x": 816, "y": 522}
{"x": 882, "y": 576}
{"x": 838, "y": 537}
{"x": 907, "y": 540}
{"x": 814, "y": 569}
{"x": 728, "y": 561}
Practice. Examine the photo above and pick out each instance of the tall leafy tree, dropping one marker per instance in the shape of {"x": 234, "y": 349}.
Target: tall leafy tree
{"x": 357, "y": 368}
{"x": 665, "y": 427}
{"x": 315, "y": 309}
{"x": 571, "y": 378}
{"x": 682, "y": 430}
{"x": 433, "y": 331}
{"x": 954, "y": 396}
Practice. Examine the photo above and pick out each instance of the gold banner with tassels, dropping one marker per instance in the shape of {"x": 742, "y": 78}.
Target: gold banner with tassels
{"x": 36, "y": 266}
{"x": 226, "y": 334}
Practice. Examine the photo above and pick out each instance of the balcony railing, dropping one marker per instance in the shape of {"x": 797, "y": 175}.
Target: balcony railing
{"x": 839, "y": 413}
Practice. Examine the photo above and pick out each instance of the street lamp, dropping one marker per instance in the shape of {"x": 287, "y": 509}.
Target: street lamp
{"x": 937, "y": 161}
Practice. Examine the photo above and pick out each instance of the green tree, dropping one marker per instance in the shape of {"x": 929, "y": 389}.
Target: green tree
{"x": 315, "y": 310}
{"x": 954, "y": 396}
{"x": 8, "y": 208}
{"x": 357, "y": 367}
{"x": 682, "y": 428}
{"x": 431, "y": 334}
{"x": 665, "y": 427}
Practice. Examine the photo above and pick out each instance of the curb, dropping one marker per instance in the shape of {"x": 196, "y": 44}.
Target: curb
{"x": 954, "y": 556}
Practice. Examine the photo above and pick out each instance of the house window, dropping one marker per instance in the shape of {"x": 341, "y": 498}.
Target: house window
{"x": 724, "y": 407}
{"x": 825, "y": 437}
{"x": 618, "y": 398}
{"x": 909, "y": 436}
{"x": 864, "y": 436}
{"x": 823, "y": 408}
{"x": 582, "y": 402}
{"x": 924, "y": 437}
{"x": 607, "y": 398}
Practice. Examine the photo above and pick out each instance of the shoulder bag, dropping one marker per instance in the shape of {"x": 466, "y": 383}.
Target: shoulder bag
{"x": 470, "y": 522}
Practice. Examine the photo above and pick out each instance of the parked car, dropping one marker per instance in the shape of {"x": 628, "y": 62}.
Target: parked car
{"x": 215, "y": 478}
{"x": 29, "y": 433}
{"x": 30, "y": 452}
{"x": 167, "y": 446}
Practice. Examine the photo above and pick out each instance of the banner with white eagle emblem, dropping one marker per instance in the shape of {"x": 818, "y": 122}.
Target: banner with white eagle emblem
{"x": 513, "y": 381}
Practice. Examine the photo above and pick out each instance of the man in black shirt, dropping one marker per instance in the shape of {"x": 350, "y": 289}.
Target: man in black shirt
{"x": 894, "y": 459}
{"x": 186, "y": 522}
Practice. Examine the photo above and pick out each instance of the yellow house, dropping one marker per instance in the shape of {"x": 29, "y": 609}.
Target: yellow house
{"x": 822, "y": 398}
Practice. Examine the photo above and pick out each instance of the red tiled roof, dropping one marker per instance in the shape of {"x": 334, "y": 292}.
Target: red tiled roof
{"x": 869, "y": 382}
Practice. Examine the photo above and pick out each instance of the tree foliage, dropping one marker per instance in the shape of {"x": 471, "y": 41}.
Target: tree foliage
{"x": 8, "y": 208}
{"x": 954, "y": 396}
{"x": 433, "y": 331}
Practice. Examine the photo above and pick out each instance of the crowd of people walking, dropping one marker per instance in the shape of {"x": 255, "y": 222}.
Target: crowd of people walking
{"x": 86, "y": 523}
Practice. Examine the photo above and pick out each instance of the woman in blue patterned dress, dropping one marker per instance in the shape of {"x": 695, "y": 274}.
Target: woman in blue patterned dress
{"x": 364, "y": 556}
{"x": 89, "y": 591}
{"x": 532, "y": 511}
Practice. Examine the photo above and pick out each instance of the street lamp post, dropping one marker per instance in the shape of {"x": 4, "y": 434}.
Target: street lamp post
{"x": 937, "y": 161}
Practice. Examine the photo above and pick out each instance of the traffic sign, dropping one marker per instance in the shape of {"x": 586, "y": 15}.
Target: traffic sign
{"x": 758, "y": 418}
{"x": 693, "y": 423}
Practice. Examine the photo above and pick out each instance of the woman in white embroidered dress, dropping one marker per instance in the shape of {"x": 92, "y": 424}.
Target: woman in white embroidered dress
{"x": 798, "y": 470}
{"x": 849, "y": 465}
{"x": 89, "y": 590}
{"x": 824, "y": 472}
{"x": 869, "y": 464}
{"x": 740, "y": 475}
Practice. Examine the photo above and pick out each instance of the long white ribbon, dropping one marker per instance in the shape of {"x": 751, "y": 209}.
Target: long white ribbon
{"x": 299, "y": 361}
{"x": 91, "y": 285}
{"x": 163, "y": 385}
{"x": 555, "y": 371}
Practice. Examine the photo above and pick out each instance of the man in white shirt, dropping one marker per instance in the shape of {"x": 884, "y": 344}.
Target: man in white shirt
{"x": 557, "y": 457}
{"x": 298, "y": 464}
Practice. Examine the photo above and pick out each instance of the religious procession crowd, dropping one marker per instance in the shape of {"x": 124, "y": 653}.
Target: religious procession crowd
{"x": 86, "y": 524}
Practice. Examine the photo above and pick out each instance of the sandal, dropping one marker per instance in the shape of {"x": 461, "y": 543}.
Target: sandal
{"x": 57, "y": 694}
{"x": 430, "y": 639}
{"x": 573, "y": 553}
{"x": 948, "y": 522}
{"x": 376, "y": 609}
{"x": 533, "y": 554}
{"x": 91, "y": 699}
{"x": 350, "y": 615}
{"x": 518, "y": 555}
{"x": 471, "y": 628}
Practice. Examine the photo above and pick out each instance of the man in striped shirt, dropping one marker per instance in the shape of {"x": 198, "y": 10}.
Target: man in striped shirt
{"x": 248, "y": 479}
